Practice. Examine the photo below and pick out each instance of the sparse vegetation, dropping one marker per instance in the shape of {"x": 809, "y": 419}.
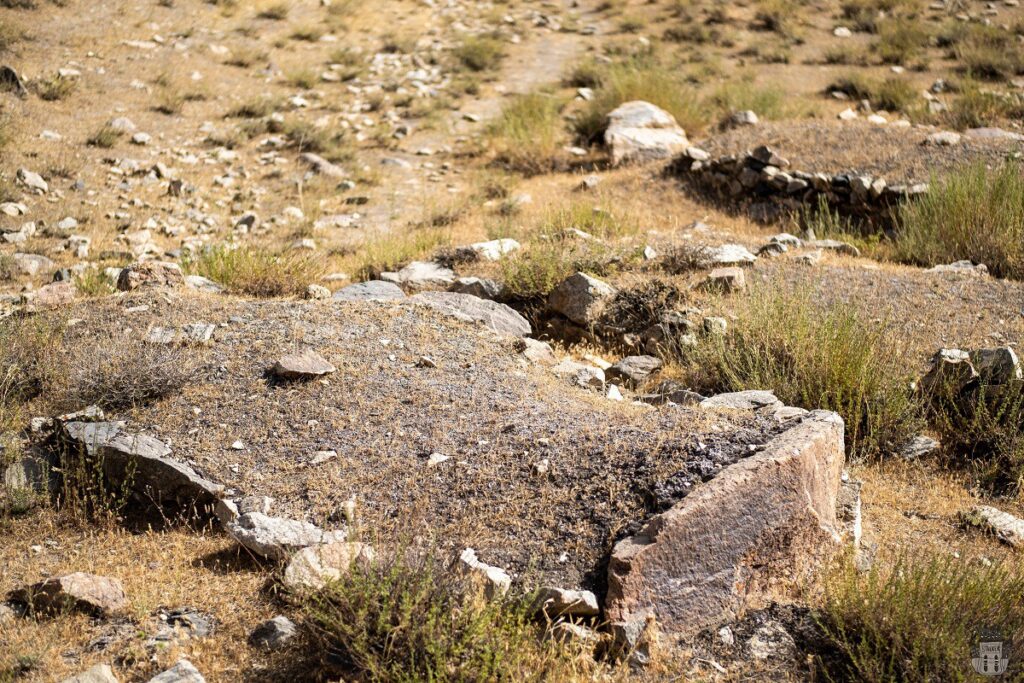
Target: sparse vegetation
{"x": 54, "y": 88}
{"x": 529, "y": 134}
{"x": 252, "y": 272}
{"x": 480, "y": 53}
{"x": 918, "y": 620}
{"x": 106, "y": 137}
{"x": 816, "y": 356}
{"x": 973, "y": 214}
{"x": 407, "y": 619}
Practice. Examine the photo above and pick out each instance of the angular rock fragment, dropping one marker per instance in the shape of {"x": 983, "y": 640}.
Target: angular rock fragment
{"x": 99, "y": 595}
{"x": 560, "y": 602}
{"x": 277, "y": 538}
{"x": 729, "y": 279}
{"x": 492, "y": 580}
{"x": 313, "y": 567}
{"x": 101, "y": 673}
{"x": 420, "y": 275}
{"x": 581, "y": 298}
{"x": 724, "y": 255}
{"x": 306, "y": 364}
{"x": 639, "y": 132}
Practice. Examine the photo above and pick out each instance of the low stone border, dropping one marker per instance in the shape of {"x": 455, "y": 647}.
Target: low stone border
{"x": 764, "y": 183}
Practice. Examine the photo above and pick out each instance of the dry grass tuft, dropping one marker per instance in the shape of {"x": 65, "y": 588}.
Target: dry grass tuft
{"x": 529, "y": 135}
{"x": 254, "y": 272}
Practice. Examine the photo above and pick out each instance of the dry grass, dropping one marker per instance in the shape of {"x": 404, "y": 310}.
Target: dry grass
{"x": 480, "y": 53}
{"x": 253, "y": 272}
{"x": 973, "y": 214}
{"x": 529, "y": 135}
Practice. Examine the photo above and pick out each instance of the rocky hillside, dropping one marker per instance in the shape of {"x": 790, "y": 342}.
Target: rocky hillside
{"x": 522, "y": 340}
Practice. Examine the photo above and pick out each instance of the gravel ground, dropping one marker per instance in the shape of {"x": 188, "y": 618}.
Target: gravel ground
{"x": 611, "y": 464}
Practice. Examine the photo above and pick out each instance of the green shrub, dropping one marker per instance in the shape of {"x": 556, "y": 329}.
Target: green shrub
{"x": 985, "y": 52}
{"x": 529, "y": 135}
{"x": 408, "y": 620}
{"x": 769, "y": 102}
{"x": 540, "y": 266}
{"x": 393, "y": 250}
{"x": 255, "y": 272}
{"x": 815, "y": 355}
{"x": 900, "y": 40}
{"x": 974, "y": 107}
{"x": 891, "y": 94}
{"x": 973, "y": 213}
{"x": 918, "y": 621}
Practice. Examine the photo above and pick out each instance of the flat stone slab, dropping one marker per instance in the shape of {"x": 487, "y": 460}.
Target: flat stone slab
{"x": 371, "y": 290}
{"x": 141, "y": 464}
{"x": 752, "y": 399}
{"x": 473, "y": 309}
{"x": 742, "y": 539}
{"x": 79, "y": 591}
{"x": 306, "y": 364}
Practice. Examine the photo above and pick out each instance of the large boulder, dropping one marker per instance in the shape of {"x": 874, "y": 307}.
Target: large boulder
{"x": 740, "y": 540}
{"x": 140, "y": 464}
{"x": 639, "y": 131}
{"x": 581, "y": 298}
{"x": 469, "y": 308}
{"x": 99, "y": 595}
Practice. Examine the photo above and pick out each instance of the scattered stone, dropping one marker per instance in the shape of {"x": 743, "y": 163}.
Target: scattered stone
{"x": 469, "y": 308}
{"x": 277, "y": 538}
{"x": 306, "y": 364}
{"x": 202, "y": 284}
{"x": 951, "y": 370}
{"x": 31, "y": 264}
{"x": 492, "y": 580}
{"x": 640, "y": 132}
{"x": 493, "y": 250}
{"x": 49, "y": 296}
{"x": 32, "y": 181}
{"x": 725, "y": 255}
{"x": 632, "y": 371}
{"x": 314, "y": 567}
{"x": 724, "y": 280}
{"x": 182, "y": 672}
{"x": 322, "y": 166}
{"x": 101, "y": 673}
{"x": 833, "y": 245}
{"x": 273, "y": 634}
{"x": 479, "y": 287}
{"x": 99, "y": 595}
{"x": 537, "y": 351}
{"x": 421, "y": 274}
{"x": 996, "y": 366}
{"x": 771, "y": 641}
{"x": 1006, "y": 527}
{"x": 150, "y": 274}
{"x": 962, "y": 268}
{"x": 568, "y": 632}
{"x": 581, "y": 298}
{"x": 559, "y": 602}
{"x": 739, "y": 119}
{"x": 371, "y": 290}
{"x": 920, "y": 446}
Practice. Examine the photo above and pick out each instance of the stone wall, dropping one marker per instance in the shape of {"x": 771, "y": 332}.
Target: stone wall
{"x": 763, "y": 183}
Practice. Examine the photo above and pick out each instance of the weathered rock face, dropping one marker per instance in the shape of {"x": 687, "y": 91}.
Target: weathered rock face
{"x": 581, "y": 298}
{"x": 639, "y": 131}
{"x": 141, "y": 464}
{"x": 182, "y": 672}
{"x": 469, "y": 308}
{"x": 371, "y": 290}
{"x": 150, "y": 274}
{"x": 560, "y": 602}
{"x": 420, "y": 275}
{"x": 633, "y": 370}
{"x": 273, "y": 634}
{"x": 311, "y": 568}
{"x": 493, "y": 581}
{"x": 1006, "y": 527}
{"x": 277, "y": 538}
{"x": 738, "y": 540}
{"x": 79, "y": 591}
